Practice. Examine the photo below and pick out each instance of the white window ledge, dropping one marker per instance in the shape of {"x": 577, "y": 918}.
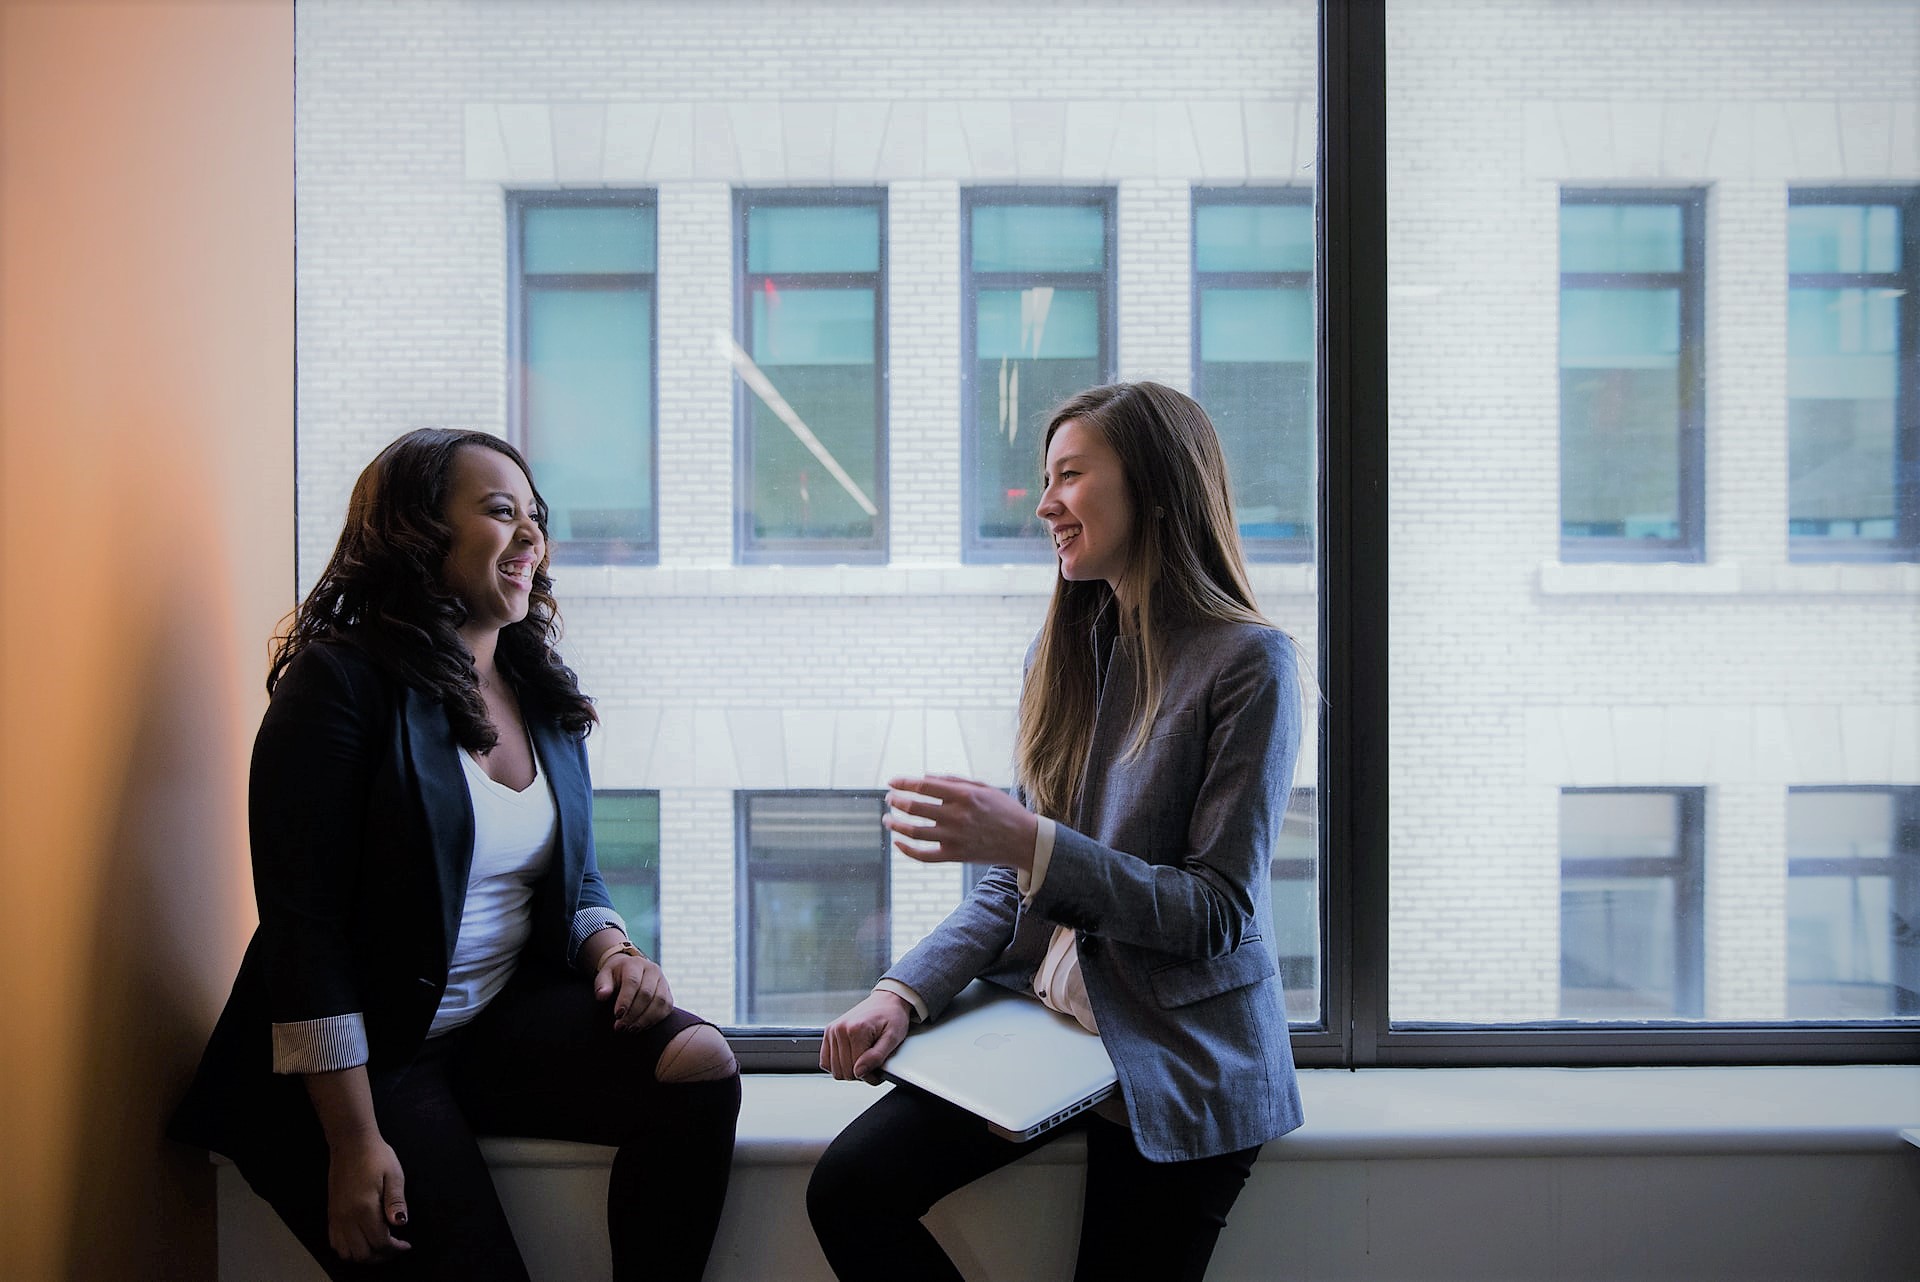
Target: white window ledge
{"x": 1727, "y": 578}
{"x": 1418, "y": 1113}
{"x": 897, "y": 579}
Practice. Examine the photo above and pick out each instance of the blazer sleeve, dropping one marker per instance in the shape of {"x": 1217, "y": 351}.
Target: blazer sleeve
{"x": 312, "y": 775}
{"x": 966, "y": 944}
{"x": 1201, "y": 905}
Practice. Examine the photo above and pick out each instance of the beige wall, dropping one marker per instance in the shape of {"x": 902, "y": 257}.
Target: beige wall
{"x": 146, "y": 508}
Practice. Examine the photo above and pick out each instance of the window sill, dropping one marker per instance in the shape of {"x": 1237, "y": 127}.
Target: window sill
{"x": 897, "y": 579}
{"x": 788, "y": 1119}
{"x": 1727, "y": 578}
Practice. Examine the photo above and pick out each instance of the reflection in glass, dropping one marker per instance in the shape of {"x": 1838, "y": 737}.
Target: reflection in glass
{"x": 816, "y": 921}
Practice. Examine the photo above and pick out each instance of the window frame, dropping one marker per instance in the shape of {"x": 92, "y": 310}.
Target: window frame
{"x": 518, "y": 203}
{"x": 747, "y": 548}
{"x": 975, "y": 549}
{"x": 1690, "y": 283}
{"x": 1905, "y": 544}
{"x": 1905, "y": 801}
{"x": 1256, "y": 549}
{"x": 1353, "y": 661}
{"x": 782, "y": 1040}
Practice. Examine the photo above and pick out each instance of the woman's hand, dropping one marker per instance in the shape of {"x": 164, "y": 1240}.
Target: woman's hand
{"x": 858, "y": 1043}
{"x": 366, "y": 1200}
{"x": 965, "y": 820}
{"x": 638, "y": 988}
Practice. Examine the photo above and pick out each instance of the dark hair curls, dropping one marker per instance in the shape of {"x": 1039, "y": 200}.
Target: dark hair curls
{"x": 382, "y": 591}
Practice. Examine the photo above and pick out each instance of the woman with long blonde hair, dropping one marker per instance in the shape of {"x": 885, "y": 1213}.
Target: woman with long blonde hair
{"x": 1160, "y": 719}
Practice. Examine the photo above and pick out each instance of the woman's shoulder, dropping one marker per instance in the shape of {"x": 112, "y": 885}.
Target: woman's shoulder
{"x": 330, "y": 666}
{"x": 1230, "y": 641}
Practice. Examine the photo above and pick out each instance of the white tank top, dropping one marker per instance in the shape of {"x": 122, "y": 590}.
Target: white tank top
{"x": 512, "y": 843}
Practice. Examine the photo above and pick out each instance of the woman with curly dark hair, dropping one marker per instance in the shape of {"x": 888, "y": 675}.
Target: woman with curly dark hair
{"x": 437, "y": 956}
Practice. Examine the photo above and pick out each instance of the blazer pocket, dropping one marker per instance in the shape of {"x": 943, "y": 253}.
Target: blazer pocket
{"x": 1187, "y": 982}
{"x": 1179, "y": 721}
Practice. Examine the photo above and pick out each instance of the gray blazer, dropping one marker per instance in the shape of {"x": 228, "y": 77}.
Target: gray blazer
{"x": 1164, "y": 874}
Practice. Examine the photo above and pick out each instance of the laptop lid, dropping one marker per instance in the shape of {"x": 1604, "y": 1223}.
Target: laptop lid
{"x": 1004, "y": 1056}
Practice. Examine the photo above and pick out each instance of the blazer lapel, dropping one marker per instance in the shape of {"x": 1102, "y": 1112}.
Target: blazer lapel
{"x": 445, "y": 807}
{"x": 572, "y": 803}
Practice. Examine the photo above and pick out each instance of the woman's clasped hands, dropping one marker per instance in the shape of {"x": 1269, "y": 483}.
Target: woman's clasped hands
{"x": 940, "y": 819}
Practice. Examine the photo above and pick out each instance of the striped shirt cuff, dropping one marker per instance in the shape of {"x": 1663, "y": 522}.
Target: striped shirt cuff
{"x": 320, "y": 1045}
{"x": 588, "y": 920}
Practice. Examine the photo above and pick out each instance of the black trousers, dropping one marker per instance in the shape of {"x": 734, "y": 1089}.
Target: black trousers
{"x": 543, "y": 1060}
{"x": 1143, "y": 1219}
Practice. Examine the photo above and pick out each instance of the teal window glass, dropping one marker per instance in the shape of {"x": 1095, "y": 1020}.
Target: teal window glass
{"x": 1853, "y": 903}
{"x": 569, "y": 240}
{"x": 1622, "y": 238}
{"x": 817, "y": 930}
{"x": 813, "y": 238}
{"x": 1851, "y": 425}
{"x": 1631, "y": 451}
{"x": 1253, "y": 237}
{"x": 626, "y": 843}
{"x": 812, "y": 456}
{"x": 586, "y": 377}
{"x": 1039, "y": 238}
{"x": 1036, "y": 347}
{"x": 1254, "y": 360}
{"x": 1631, "y": 935}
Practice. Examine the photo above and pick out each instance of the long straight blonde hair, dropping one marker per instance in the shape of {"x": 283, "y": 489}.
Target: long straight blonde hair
{"x": 1184, "y": 564}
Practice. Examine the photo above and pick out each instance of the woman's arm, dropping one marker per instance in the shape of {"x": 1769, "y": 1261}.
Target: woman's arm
{"x": 366, "y": 1190}
{"x": 1203, "y": 904}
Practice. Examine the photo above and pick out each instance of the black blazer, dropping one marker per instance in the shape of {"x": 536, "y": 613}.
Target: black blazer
{"x": 361, "y": 831}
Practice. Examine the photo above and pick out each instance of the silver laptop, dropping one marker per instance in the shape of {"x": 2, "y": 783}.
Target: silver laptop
{"x": 1007, "y": 1058}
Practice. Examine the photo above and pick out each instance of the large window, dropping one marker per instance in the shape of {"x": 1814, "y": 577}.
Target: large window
{"x": 1853, "y": 409}
{"x": 584, "y": 373}
{"x": 626, "y": 843}
{"x": 1631, "y": 404}
{"x": 811, "y": 388}
{"x": 1296, "y": 907}
{"x": 1853, "y": 903}
{"x": 1253, "y": 356}
{"x": 814, "y": 924}
{"x": 1039, "y": 292}
{"x": 1631, "y": 930}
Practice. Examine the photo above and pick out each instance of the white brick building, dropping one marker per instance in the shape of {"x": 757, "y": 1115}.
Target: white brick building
{"x": 1516, "y": 674}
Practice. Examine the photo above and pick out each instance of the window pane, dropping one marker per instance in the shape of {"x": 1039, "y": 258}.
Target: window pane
{"x": 1843, "y": 374}
{"x": 1253, "y": 238}
{"x": 1630, "y": 929}
{"x": 1620, "y": 238}
{"x": 1256, "y": 375}
{"x": 589, "y": 390}
{"x": 816, "y": 906}
{"x": 1038, "y": 238}
{"x": 598, "y": 238}
{"x": 1843, "y": 238}
{"x": 626, "y": 844}
{"x": 1853, "y": 904}
{"x": 1620, "y": 412}
{"x": 1036, "y": 347}
{"x": 1296, "y": 907}
{"x": 813, "y": 238}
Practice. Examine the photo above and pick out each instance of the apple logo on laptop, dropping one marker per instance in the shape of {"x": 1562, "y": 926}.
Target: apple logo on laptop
{"x": 993, "y": 1041}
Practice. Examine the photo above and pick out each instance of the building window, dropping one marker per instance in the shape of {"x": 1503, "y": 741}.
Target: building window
{"x": 1853, "y": 410}
{"x": 811, "y": 395}
{"x": 626, "y": 842}
{"x": 1853, "y": 903}
{"x": 1296, "y": 907}
{"x": 1632, "y": 940}
{"x": 1038, "y": 328}
{"x": 1253, "y": 357}
{"x": 583, "y": 374}
{"x": 813, "y": 927}
{"x": 1632, "y": 412}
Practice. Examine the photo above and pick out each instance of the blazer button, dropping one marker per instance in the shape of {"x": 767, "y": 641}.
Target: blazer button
{"x": 1089, "y": 944}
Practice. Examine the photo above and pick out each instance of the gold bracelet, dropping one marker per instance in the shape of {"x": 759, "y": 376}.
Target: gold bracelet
{"x": 624, "y": 946}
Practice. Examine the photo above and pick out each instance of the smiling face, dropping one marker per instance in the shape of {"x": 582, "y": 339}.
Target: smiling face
{"x": 1086, "y": 505}
{"x": 496, "y": 544}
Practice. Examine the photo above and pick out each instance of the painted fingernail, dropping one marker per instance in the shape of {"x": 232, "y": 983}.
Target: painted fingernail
{"x": 399, "y": 1217}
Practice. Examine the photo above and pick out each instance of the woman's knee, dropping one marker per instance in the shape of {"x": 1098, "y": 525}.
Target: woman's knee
{"x": 697, "y": 1054}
